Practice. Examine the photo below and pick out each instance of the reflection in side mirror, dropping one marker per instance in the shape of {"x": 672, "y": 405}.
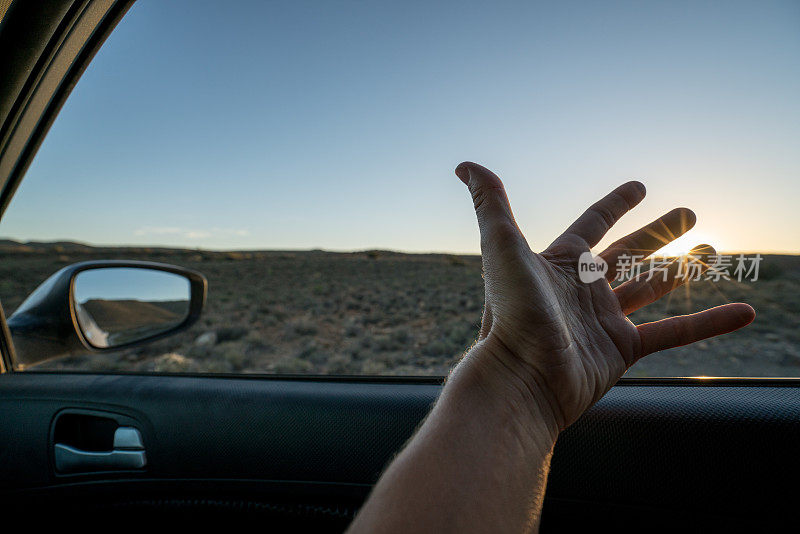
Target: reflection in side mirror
{"x": 119, "y": 306}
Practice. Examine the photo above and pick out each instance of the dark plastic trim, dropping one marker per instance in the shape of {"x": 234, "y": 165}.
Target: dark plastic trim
{"x": 7, "y": 354}
{"x": 439, "y": 380}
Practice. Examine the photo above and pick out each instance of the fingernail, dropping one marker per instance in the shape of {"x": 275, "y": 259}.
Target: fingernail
{"x": 462, "y": 171}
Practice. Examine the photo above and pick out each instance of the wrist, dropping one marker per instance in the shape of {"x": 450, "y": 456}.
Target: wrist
{"x": 515, "y": 396}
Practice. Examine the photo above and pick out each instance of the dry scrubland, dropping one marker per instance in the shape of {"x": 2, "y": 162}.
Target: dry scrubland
{"x": 378, "y": 312}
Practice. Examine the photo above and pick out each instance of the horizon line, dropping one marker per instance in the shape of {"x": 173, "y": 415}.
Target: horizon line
{"x": 321, "y": 249}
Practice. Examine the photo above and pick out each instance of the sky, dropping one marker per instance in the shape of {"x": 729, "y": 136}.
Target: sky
{"x": 123, "y": 283}
{"x": 337, "y": 125}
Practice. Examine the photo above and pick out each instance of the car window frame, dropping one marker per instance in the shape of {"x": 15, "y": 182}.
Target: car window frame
{"x": 44, "y": 49}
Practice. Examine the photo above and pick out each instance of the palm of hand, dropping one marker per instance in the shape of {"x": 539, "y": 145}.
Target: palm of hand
{"x": 568, "y": 339}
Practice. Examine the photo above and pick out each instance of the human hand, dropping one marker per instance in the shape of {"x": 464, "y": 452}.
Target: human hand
{"x": 562, "y": 341}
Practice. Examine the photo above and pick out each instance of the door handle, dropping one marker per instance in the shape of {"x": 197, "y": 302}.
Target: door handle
{"x": 128, "y": 454}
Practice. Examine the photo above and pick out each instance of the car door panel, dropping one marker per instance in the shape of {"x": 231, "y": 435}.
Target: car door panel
{"x": 681, "y": 449}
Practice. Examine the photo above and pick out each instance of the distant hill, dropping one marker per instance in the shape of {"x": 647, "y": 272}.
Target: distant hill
{"x": 67, "y": 248}
{"x": 9, "y": 245}
{"x": 113, "y": 315}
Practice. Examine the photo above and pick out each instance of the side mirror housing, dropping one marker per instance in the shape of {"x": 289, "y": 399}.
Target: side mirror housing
{"x": 105, "y": 305}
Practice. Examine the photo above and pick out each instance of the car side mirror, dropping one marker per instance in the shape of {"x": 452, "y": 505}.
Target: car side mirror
{"x": 105, "y": 305}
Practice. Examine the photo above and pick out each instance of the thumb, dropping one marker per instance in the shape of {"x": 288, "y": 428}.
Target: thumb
{"x": 495, "y": 219}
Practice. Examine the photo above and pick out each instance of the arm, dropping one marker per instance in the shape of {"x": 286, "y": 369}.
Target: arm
{"x": 550, "y": 346}
{"x": 479, "y": 463}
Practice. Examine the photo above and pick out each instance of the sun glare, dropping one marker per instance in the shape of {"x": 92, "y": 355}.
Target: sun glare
{"x": 684, "y": 244}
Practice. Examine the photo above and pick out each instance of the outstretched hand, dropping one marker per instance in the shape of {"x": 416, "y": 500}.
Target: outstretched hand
{"x": 565, "y": 340}
{"x": 550, "y": 346}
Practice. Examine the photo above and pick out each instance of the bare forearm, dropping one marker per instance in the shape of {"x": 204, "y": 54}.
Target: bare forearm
{"x": 479, "y": 463}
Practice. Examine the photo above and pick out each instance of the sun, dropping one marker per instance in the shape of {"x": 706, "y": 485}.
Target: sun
{"x": 684, "y": 244}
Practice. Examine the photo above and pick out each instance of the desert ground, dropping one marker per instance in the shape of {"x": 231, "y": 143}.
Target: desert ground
{"x": 386, "y": 313}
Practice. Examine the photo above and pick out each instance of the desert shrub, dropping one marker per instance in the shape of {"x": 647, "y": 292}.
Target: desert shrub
{"x": 313, "y": 354}
{"x": 373, "y": 318}
{"x": 231, "y": 333}
{"x": 462, "y": 334}
{"x": 102, "y": 362}
{"x": 257, "y": 341}
{"x": 769, "y": 271}
{"x": 172, "y": 363}
{"x": 388, "y": 359}
{"x": 352, "y": 305}
{"x": 292, "y": 366}
{"x": 340, "y": 365}
{"x": 401, "y": 336}
{"x": 357, "y": 353}
{"x": 215, "y": 365}
{"x": 320, "y": 289}
{"x": 198, "y": 352}
{"x": 352, "y": 328}
{"x": 232, "y": 352}
{"x": 455, "y": 260}
{"x": 372, "y": 367}
{"x": 385, "y": 343}
{"x": 366, "y": 342}
{"x": 410, "y": 370}
{"x": 277, "y": 312}
{"x": 439, "y": 347}
{"x": 237, "y": 256}
{"x": 269, "y": 320}
{"x": 301, "y": 327}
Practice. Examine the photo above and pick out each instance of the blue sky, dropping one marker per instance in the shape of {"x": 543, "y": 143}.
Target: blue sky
{"x": 337, "y": 125}
{"x": 123, "y": 283}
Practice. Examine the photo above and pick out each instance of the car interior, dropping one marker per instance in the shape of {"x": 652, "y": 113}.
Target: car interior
{"x": 303, "y": 451}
